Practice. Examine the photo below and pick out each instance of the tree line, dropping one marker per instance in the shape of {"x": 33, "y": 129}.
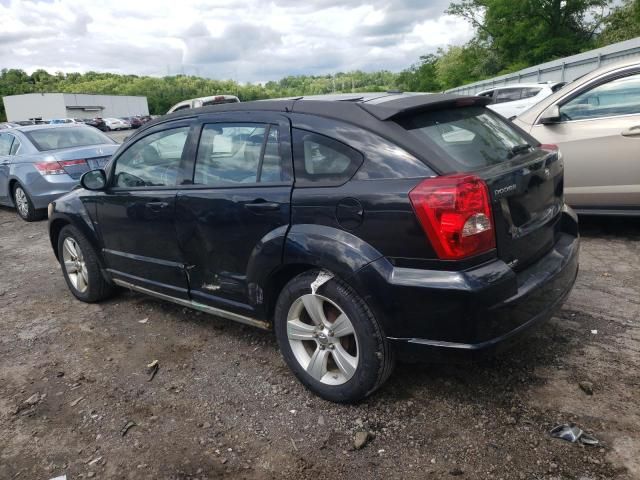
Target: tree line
{"x": 509, "y": 35}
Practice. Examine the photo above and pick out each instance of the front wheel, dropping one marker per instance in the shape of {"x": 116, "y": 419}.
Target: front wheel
{"x": 331, "y": 340}
{"x": 81, "y": 267}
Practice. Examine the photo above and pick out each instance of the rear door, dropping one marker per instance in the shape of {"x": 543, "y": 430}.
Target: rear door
{"x": 239, "y": 198}
{"x": 525, "y": 182}
{"x": 599, "y": 137}
{"x": 136, "y": 214}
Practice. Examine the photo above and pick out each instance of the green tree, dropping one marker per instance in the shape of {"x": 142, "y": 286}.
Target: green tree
{"x": 421, "y": 76}
{"x": 622, "y": 24}
{"x": 534, "y": 31}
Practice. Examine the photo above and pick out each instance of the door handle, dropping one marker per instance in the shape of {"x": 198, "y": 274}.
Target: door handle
{"x": 632, "y": 131}
{"x": 156, "y": 206}
{"x": 261, "y": 205}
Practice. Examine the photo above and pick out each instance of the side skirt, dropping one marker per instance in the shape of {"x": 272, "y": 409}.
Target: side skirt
{"x": 197, "y": 306}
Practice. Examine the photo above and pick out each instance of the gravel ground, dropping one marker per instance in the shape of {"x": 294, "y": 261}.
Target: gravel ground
{"x": 224, "y": 405}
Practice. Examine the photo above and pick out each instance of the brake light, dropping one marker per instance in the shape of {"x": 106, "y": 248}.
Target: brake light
{"x": 70, "y": 163}
{"x": 49, "y": 168}
{"x": 455, "y": 213}
{"x": 57, "y": 168}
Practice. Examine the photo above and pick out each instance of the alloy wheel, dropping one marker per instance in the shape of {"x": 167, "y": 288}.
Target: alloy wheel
{"x": 75, "y": 265}
{"x": 322, "y": 339}
{"x": 22, "y": 203}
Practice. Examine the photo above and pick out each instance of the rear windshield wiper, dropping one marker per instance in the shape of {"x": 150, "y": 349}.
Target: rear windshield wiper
{"x": 518, "y": 149}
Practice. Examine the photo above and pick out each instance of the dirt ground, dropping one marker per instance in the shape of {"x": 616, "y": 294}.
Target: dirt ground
{"x": 224, "y": 405}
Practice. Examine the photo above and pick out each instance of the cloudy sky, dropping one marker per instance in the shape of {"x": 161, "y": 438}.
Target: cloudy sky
{"x": 246, "y": 40}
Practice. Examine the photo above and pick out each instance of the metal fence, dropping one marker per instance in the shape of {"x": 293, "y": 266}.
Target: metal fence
{"x": 561, "y": 70}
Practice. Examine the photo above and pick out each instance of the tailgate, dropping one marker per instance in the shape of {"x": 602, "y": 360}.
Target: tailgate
{"x": 527, "y": 198}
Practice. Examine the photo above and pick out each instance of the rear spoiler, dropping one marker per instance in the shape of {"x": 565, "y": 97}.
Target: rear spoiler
{"x": 420, "y": 103}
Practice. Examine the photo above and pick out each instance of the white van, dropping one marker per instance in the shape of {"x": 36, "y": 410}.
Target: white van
{"x": 203, "y": 102}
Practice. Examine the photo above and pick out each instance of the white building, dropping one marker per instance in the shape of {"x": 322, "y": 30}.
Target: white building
{"x": 47, "y": 106}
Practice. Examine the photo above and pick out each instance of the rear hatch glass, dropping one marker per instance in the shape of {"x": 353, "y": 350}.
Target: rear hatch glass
{"x": 525, "y": 181}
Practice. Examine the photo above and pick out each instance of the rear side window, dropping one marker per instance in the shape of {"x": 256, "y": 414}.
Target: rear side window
{"x": 507, "y": 95}
{"x": 323, "y": 161}
{"x": 239, "y": 153}
{"x": 529, "y": 92}
{"x": 15, "y": 147}
{"x": 472, "y": 137}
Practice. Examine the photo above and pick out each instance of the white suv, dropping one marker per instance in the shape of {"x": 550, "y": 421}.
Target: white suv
{"x": 511, "y": 100}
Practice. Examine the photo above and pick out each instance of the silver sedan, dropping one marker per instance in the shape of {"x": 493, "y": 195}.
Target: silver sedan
{"x": 39, "y": 163}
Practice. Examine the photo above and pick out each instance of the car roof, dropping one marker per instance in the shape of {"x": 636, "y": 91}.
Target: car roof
{"x": 357, "y": 108}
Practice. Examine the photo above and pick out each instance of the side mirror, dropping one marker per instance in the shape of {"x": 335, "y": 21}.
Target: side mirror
{"x": 550, "y": 115}
{"x": 94, "y": 180}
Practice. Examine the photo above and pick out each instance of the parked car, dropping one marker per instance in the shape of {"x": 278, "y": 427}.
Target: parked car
{"x": 203, "y": 102}
{"x": 511, "y": 100}
{"x": 61, "y": 121}
{"x": 24, "y": 123}
{"x": 135, "y": 122}
{"x": 97, "y": 122}
{"x": 4, "y": 125}
{"x": 116, "y": 124}
{"x": 417, "y": 225}
{"x": 39, "y": 163}
{"x": 595, "y": 120}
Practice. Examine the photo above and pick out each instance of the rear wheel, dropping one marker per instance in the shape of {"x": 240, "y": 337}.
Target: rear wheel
{"x": 331, "y": 340}
{"x": 24, "y": 205}
{"x": 81, "y": 267}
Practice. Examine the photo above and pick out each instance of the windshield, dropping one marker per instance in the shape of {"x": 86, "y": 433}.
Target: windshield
{"x": 56, "y": 138}
{"x": 473, "y": 137}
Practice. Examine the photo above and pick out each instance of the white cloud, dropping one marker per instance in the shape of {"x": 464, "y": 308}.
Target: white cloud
{"x": 248, "y": 40}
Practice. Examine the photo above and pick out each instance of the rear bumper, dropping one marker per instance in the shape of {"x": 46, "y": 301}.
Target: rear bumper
{"x": 427, "y": 314}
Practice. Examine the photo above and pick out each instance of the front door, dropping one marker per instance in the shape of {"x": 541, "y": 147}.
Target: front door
{"x": 599, "y": 137}
{"x": 136, "y": 214}
{"x": 240, "y": 197}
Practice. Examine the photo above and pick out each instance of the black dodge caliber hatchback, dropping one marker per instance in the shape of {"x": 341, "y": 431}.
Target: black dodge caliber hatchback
{"x": 359, "y": 228}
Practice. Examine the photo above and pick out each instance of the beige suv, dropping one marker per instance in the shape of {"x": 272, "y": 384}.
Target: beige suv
{"x": 595, "y": 121}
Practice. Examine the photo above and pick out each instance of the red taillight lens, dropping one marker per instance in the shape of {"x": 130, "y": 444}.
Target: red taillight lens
{"x": 70, "y": 163}
{"x": 57, "y": 168}
{"x": 49, "y": 168}
{"x": 455, "y": 213}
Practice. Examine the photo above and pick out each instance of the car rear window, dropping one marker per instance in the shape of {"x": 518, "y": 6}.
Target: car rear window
{"x": 472, "y": 137}
{"x": 56, "y": 138}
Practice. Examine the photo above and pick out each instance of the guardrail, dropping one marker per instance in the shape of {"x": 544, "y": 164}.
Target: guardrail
{"x": 561, "y": 70}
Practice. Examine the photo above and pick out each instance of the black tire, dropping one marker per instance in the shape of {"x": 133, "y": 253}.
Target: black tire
{"x": 98, "y": 288}
{"x": 375, "y": 355}
{"x": 30, "y": 214}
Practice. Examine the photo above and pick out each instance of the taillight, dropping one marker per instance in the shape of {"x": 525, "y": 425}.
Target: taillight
{"x": 57, "y": 168}
{"x": 49, "y": 168}
{"x": 455, "y": 213}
